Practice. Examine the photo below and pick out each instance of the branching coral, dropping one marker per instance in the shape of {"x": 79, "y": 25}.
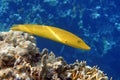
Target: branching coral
{"x": 20, "y": 59}
{"x": 81, "y": 71}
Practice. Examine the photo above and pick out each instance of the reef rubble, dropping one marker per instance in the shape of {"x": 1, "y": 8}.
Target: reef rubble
{"x": 21, "y": 59}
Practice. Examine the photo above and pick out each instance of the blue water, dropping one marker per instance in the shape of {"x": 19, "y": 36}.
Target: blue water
{"x": 97, "y": 22}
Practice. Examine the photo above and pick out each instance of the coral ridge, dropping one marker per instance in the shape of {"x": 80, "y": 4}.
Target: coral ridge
{"x": 20, "y": 59}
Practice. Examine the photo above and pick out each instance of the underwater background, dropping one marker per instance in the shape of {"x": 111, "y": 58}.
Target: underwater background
{"x": 97, "y": 22}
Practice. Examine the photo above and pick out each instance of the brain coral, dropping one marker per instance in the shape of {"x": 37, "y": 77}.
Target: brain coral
{"x": 20, "y": 59}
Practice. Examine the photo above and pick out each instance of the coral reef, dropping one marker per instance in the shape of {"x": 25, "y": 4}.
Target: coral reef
{"x": 20, "y": 59}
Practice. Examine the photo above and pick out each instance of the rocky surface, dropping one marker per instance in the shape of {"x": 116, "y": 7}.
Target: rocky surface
{"x": 20, "y": 59}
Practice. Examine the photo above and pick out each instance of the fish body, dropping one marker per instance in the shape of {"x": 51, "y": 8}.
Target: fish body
{"x": 53, "y": 33}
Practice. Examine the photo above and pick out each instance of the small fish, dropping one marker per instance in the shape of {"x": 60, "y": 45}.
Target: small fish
{"x": 53, "y": 33}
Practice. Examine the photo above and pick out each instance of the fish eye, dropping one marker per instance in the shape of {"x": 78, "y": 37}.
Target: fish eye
{"x": 78, "y": 41}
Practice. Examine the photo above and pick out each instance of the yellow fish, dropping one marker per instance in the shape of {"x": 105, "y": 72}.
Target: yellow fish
{"x": 53, "y": 33}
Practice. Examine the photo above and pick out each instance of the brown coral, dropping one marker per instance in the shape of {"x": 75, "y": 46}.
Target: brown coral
{"x": 83, "y": 72}
{"x": 21, "y": 59}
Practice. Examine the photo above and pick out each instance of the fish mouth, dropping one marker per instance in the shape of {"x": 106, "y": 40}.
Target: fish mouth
{"x": 85, "y": 47}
